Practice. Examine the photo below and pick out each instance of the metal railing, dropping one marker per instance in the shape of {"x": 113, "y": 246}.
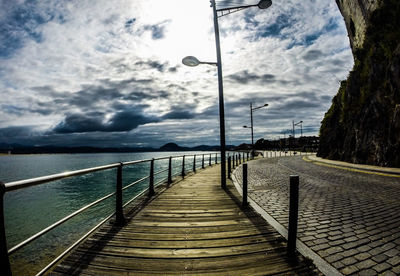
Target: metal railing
{"x": 5, "y": 267}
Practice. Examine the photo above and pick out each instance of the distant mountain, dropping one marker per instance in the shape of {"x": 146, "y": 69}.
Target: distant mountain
{"x": 24, "y": 149}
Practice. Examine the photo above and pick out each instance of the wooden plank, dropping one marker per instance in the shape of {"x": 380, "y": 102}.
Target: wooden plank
{"x": 194, "y": 227}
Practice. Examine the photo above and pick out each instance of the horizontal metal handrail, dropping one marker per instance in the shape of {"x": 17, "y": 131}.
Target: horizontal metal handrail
{"x": 73, "y": 245}
{"x": 161, "y": 171}
{"x": 54, "y": 225}
{"x": 16, "y": 185}
{"x": 135, "y": 182}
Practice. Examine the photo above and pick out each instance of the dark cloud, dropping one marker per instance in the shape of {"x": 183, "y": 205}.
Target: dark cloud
{"x": 179, "y": 115}
{"x": 158, "y": 30}
{"x": 312, "y": 55}
{"x": 125, "y": 120}
{"x": 245, "y": 77}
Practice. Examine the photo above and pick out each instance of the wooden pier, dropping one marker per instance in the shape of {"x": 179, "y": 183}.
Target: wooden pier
{"x": 192, "y": 227}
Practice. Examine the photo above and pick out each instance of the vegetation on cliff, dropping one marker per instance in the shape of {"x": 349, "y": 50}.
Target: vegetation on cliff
{"x": 363, "y": 123}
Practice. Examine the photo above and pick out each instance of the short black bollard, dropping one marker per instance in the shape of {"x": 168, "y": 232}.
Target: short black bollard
{"x": 293, "y": 215}
{"x": 4, "y": 261}
{"x": 244, "y": 202}
{"x": 229, "y": 167}
{"x": 183, "y": 166}
{"x": 169, "y": 171}
{"x": 194, "y": 163}
{"x": 151, "y": 179}
{"x": 202, "y": 162}
{"x": 119, "y": 213}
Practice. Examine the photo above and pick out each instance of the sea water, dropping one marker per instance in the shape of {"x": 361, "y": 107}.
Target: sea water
{"x": 29, "y": 210}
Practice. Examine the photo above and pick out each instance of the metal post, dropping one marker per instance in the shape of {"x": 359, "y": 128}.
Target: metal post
{"x": 247, "y": 156}
{"x": 293, "y": 214}
{"x": 237, "y": 163}
{"x": 216, "y": 158}
{"x": 244, "y": 202}
{"x": 183, "y": 166}
{"x": 221, "y": 96}
{"x": 202, "y": 162}
{"x": 194, "y": 163}
{"x": 4, "y": 261}
{"x": 233, "y": 161}
{"x": 119, "y": 214}
{"x": 151, "y": 180}
{"x": 169, "y": 171}
{"x": 229, "y": 167}
{"x": 209, "y": 162}
{"x": 252, "y": 139}
{"x": 240, "y": 159}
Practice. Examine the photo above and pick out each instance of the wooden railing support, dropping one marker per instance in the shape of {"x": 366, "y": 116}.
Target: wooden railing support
{"x": 119, "y": 212}
{"x": 151, "y": 179}
{"x": 169, "y": 181}
{"x": 293, "y": 215}
{"x": 229, "y": 167}
{"x": 183, "y": 166}
{"x": 209, "y": 161}
{"x": 244, "y": 201}
{"x": 4, "y": 261}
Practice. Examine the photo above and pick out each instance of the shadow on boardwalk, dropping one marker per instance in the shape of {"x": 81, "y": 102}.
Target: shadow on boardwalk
{"x": 193, "y": 227}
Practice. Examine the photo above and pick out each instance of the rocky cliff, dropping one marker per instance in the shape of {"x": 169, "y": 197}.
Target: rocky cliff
{"x": 363, "y": 123}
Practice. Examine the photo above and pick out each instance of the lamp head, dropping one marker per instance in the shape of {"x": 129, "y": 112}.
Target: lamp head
{"x": 190, "y": 61}
{"x": 264, "y": 4}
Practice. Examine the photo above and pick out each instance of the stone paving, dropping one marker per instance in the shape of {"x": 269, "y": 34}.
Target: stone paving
{"x": 350, "y": 219}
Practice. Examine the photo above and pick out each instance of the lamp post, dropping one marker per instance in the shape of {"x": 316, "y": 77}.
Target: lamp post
{"x": 252, "y": 126}
{"x": 191, "y": 61}
{"x": 301, "y": 127}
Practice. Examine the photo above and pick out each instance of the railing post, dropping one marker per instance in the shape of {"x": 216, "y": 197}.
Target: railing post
{"x": 4, "y": 261}
{"x": 240, "y": 159}
{"x": 183, "y": 166}
{"x": 247, "y": 156}
{"x": 194, "y": 163}
{"x": 119, "y": 213}
{"x": 216, "y": 158}
{"x": 229, "y": 167}
{"x": 169, "y": 181}
{"x": 233, "y": 161}
{"x": 209, "y": 161}
{"x": 202, "y": 162}
{"x": 293, "y": 214}
{"x": 237, "y": 163}
{"x": 244, "y": 201}
{"x": 151, "y": 180}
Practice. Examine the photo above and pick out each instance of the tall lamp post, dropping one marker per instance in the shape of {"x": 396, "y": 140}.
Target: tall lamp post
{"x": 301, "y": 127}
{"x": 263, "y": 4}
{"x": 252, "y": 126}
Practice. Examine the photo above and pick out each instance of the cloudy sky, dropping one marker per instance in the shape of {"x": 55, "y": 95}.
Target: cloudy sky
{"x": 109, "y": 73}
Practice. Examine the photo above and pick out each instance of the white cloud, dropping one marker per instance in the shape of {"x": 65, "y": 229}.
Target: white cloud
{"x": 69, "y": 53}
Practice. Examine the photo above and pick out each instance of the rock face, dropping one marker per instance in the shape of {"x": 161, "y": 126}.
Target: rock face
{"x": 363, "y": 123}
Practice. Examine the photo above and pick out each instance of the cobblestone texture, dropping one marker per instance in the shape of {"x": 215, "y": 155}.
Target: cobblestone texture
{"x": 350, "y": 219}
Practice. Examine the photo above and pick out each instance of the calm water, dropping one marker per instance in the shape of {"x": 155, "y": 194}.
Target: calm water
{"x": 30, "y": 210}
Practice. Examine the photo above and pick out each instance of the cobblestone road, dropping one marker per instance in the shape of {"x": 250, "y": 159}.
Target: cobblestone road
{"x": 350, "y": 219}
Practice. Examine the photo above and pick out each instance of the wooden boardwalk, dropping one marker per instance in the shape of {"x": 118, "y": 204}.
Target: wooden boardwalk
{"x": 193, "y": 227}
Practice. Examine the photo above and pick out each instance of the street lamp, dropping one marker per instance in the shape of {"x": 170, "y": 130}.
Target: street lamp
{"x": 301, "y": 127}
{"x": 192, "y": 61}
{"x": 252, "y": 126}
